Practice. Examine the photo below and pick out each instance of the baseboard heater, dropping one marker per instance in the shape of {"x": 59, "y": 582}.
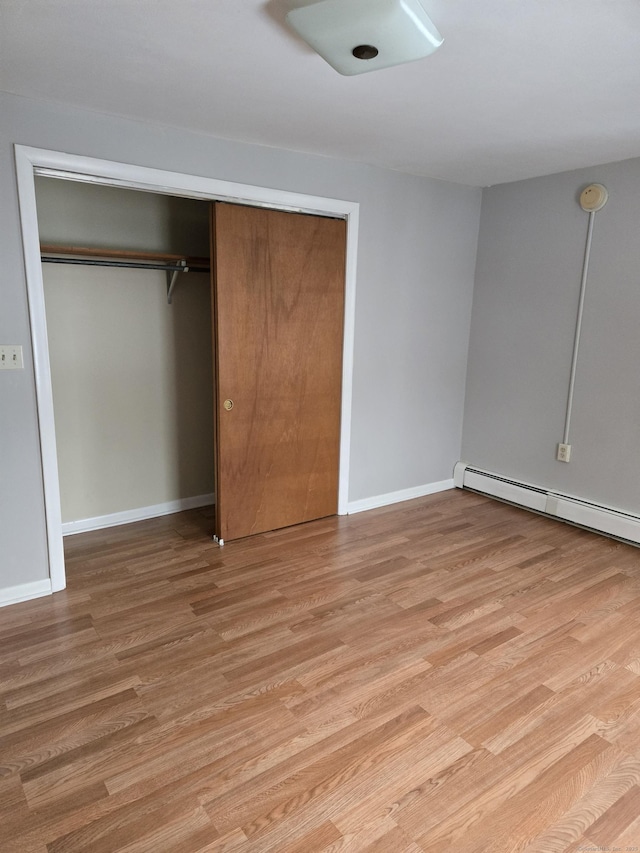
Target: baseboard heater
{"x": 603, "y": 519}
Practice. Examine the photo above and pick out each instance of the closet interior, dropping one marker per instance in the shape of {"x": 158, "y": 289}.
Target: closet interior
{"x": 128, "y": 308}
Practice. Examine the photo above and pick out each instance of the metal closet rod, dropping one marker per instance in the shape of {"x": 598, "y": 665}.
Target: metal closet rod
{"x": 172, "y": 265}
{"x": 127, "y": 258}
{"x": 134, "y": 265}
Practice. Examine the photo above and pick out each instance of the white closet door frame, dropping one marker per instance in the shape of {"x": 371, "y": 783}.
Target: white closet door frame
{"x": 56, "y": 164}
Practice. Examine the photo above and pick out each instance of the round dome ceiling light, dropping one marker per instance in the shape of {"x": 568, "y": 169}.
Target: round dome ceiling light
{"x": 383, "y": 32}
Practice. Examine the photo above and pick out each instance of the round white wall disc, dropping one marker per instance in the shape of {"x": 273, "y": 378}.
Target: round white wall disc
{"x": 593, "y": 197}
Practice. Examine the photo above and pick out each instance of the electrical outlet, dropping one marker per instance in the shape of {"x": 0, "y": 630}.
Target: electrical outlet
{"x": 10, "y": 357}
{"x": 564, "y": 453}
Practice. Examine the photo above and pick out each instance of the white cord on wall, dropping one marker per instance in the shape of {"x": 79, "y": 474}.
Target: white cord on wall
{"x": 593, "y": 198}
{"x": 576, "y": 339}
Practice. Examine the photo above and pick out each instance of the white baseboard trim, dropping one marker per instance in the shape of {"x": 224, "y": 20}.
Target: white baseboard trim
{"x": 598, "y": 517}
{"x": 24, "y": 592}
{"x": 84, "y": 525}
{"x": 398, "y": 497}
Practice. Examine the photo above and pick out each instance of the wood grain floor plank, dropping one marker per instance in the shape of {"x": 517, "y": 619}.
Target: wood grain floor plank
{"x": 576, "y": 821}
{"x": 511, "y": 827}
{"x": 447, "y": 674}
{"x": 365, "y": 752}
{"x": 356, "y": 841}
{"x": 617, "y": 818}
{"x": 318, "y": 839}
{"x": 427, "y": 765}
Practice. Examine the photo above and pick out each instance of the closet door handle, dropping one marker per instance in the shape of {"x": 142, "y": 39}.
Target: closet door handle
{"x": 228, "y": 405}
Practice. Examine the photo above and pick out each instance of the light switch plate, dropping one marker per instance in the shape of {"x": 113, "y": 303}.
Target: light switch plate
{"x": 11, "y": 357}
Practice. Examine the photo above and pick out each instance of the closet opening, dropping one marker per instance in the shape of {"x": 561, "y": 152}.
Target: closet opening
{"x": 32, "y": 163}
{"x": 129, "y": 335}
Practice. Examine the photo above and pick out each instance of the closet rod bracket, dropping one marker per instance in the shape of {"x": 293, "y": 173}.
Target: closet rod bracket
{"x": 172, "y": 277}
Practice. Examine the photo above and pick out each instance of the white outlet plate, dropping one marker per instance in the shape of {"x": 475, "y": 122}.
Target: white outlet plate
{"x": 11, "y": 357}
{"x": 564, "y": 453}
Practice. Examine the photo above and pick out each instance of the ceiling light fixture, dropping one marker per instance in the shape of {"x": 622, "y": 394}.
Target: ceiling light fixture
{"x": 355, "y": 36}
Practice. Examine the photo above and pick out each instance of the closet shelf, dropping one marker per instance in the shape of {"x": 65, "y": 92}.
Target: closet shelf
{"x": 172, "y": 264}
{"x": 195, "y": 264}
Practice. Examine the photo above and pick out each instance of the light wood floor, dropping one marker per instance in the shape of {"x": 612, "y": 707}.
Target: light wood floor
{"x": 449, "y": 674}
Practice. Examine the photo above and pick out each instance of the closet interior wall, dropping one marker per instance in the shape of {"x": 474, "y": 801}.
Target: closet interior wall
{"x": 132, "y": 375}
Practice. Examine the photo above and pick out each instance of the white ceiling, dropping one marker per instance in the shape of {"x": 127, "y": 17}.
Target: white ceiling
{"x": 519, "y": 88}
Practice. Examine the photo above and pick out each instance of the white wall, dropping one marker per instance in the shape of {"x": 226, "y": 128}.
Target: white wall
{"x": 414, "y": 289}
{"x": 132, "y": 388}
{"x": 530, "y": 254}
{"x": 132, "y": 375}
{"x": 111, "y": 217}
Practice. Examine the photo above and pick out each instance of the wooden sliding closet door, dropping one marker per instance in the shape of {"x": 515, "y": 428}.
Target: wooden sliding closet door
{"x": 278, "y": 297}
